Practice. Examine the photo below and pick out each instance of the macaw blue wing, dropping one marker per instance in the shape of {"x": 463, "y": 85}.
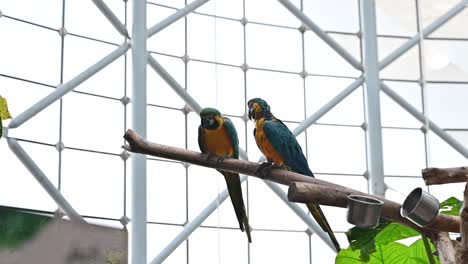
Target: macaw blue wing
{"x": 285, "y": 143}
{"x": 201, "y": 143}
{"x": 232, "y": 133}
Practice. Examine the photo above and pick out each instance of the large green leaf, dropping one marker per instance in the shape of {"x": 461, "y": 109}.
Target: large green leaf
{"x": 364, "y": 239}
{"x": 16, "y": 226}
{"x": 418, "y": 253}
{"x": 451, "y": 206}
{"x": 348, "y": 256}
{"x": 394, "y": 232}
{"x": 391, "y": 253}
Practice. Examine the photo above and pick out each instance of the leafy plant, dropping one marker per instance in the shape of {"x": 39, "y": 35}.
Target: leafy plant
{"x": 4, "y": 114}
{"x": 381, "y": 246}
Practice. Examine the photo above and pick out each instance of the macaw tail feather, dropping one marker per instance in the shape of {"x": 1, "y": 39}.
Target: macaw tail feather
{"x": 235, "y": 192}
{"x": 322, "y": 221}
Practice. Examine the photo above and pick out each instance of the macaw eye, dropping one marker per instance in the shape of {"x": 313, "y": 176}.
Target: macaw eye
{"x": 211, "y": 121}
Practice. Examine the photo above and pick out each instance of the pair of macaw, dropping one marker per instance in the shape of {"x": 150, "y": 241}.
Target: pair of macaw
{"x": 217, "y": 136}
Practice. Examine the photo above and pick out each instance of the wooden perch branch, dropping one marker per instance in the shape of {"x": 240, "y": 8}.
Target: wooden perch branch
{"x": 444, "y": 246}
{"x": 464, "y": 227}
{"x": 302, "y": 192}
{"x": 390, "y": 209}
{"x": 448, "y": 175}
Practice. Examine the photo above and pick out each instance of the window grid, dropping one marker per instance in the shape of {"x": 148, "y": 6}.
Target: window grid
{"x": 63, "y": 47}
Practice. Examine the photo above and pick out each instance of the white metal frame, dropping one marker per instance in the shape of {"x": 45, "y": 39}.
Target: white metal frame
{"x": 141, "y": 57}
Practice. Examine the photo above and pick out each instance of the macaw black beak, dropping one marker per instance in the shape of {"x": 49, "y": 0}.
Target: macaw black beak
{"x": 250, "y": 113}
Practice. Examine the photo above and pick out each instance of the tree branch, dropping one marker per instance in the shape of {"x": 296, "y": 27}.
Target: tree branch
{"x": 444, "y": 246}
{"x": 390, "y": 209}
{"x": 464, "y": 227}
{"x": 445, "y": 175}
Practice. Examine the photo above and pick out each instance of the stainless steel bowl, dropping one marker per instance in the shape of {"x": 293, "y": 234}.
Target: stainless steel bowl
{"x": 420, "y": 207}
{"x": 364, "y": 211}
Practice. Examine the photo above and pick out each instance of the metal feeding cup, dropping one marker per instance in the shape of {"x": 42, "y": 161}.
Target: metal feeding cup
{"x": 364, "y": 211}
{"x": 420, "y": 207}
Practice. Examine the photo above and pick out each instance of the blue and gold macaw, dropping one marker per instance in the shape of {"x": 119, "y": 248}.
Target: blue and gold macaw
{"x": 281, "y": 148}
{"x": 217, "y": 136}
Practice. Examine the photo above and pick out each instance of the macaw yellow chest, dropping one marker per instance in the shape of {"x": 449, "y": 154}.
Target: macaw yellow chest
{"x": 264, "y": 144}
{"x": 217, "y": 142}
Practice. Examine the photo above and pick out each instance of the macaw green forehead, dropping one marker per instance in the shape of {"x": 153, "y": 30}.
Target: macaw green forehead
{"x": 208, "y": 111}
{"x": 262, "y": 103}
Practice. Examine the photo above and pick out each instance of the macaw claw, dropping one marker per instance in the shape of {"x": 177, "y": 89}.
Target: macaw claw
{"x": 265, "y": 168}
{"x": 221, "y": 159}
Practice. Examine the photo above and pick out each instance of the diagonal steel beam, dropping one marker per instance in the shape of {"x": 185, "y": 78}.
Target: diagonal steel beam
{"x": 107, "y": 12}
{"x": 419, "y": 116}
{"x": 425, "y": 32}
{"x": 176, "y": 16}
{"x": 43, "y": 180}
{"x": 64, "y": 88}
{"x": 190, "y": 227}
{"x": 321, "y": 34}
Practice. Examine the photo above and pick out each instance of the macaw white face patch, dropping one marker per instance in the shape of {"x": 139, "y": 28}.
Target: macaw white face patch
{"x": 211, "y": 122}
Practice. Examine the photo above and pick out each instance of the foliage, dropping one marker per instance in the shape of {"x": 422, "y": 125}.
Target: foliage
{"x": 16, "y": 227}
{"x": 380, "y": 246}
{"x": 4, "y": 114}
{"x": 451, "y": 206}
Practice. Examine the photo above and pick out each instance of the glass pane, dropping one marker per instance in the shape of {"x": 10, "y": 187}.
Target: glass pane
{"x": 294, "y": 248}
{"x": 159, "y": 92}
{"x": 91, "y": 122}
{"x": 320, "y": 90}
{"x": 271, "y": 12}
{"x": 461, "y": 136}
{"x": 166, "y": 180}
{"x": 447, "y": 105}
{"x": 433, "y": 9}
{"x": 453, "y": 28}
{"x": 94, "y": 24}
{"x": 442, "y": 154}
{"x": 327, "y": 16}
{"x": 93, "y": 183}
{"x": 44, "y": 127}
{"x": 321, "y": 252}
{"x": 171, "y": 3}
{"x": 211, "y": 245}
{"x": 336, "y": 149}
{"x": 159, "y": 236}
{"x": 211, "y": 39}
{"x": 400, "y": 187}
{"x": 396, "y": 17}
{"x": 273, "y": 48}
{"x": 109, "y": 81}
{"x": 268, "y": 211}
{"x": 204, "y": 186}
{"x": 170, "y": 40}
{"x": 166, "y": 126}
{"x": 23, "y": 55}
{"x": 446, "y": 60}
{"x": 19, "y": 188}
{"x": 403, "y": 151}
{"x": 320, "y": 58}
{"x": 223, "y": 8}
{"x": 445, "y": 191}
{"x": 217, "y": 86}
{"x": 393, "y": 115}
{"x": 271, "y": 86}
{"x": 405, "y": 67}
{"x": 46, "y": 13}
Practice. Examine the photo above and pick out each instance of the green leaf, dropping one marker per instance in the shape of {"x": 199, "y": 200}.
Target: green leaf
{"x": 418, "y": 253}
{"x": 391, "y": 253}
{"x": 17, "y": 227}
{"x": 364, "y": 239}
{"x": 394, "y": 232}
{"x": 4, "y": 114}
{"x": 451, "y": 206}
{"x": 348, "y": 256}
